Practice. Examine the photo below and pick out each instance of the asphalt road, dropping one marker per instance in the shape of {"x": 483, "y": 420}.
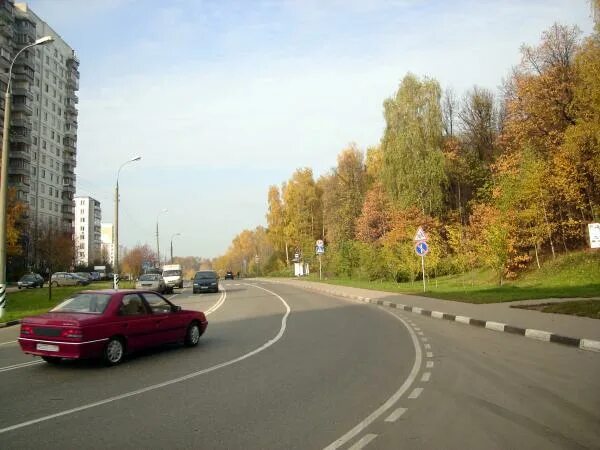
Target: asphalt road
{"x": 283, "y": 368}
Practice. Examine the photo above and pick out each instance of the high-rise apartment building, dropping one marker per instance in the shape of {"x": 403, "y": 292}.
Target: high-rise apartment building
{"x": 43, "y": 132}
{"x": 88, "y": 220}
{"x": 107, "y": 247}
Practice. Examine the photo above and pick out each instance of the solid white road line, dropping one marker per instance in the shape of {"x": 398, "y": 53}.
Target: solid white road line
{"x": 21, "y": 365}
{"x": 8, "y": 342}
{"x": 395, "y": 415}
{"x": 153, "y": 387}
{"x": 429, "y": 364}
{"x": 363, "y": 442}
{"x": 415, "y": 393}
{"x": 217, "y": 305}
{"x": 390, "y": 401}
{"x": 426, "y": 376}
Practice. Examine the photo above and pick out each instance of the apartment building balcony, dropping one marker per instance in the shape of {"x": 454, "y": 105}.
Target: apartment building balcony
{"x": 23, "y": 122}
{"x": 20, "y": 151}
{"x": 22, "y": 91}
{"x": 69, "y": 142}
{"x": 68, "y": 211}
{"x": 20, "y": 134}
{"x": 19, "y": 181}
{"x": 70, "y": 188}
{"x": 20, "y": 104}
{"x": 5, "y": 54}
{"x": 23, "y": 73}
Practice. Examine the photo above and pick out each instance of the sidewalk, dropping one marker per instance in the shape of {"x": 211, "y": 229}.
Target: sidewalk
{"x": 496, "y": 314}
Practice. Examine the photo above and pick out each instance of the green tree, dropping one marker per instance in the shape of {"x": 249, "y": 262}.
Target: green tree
{"x": 413, "y": 163}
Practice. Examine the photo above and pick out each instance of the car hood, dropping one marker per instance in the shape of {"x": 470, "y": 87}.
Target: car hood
{"x": 62, "y": 319}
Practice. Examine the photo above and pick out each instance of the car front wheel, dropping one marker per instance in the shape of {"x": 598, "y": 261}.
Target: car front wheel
{"x": 54, "y": 283}
{"x": 114, "y": 352}
{"x": 192, "y": 336}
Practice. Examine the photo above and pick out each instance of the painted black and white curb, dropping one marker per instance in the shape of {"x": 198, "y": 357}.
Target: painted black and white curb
{"x": 540, "y": 335}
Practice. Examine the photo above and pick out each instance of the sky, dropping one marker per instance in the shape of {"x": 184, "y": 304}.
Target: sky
{"x": 222, "y": 99}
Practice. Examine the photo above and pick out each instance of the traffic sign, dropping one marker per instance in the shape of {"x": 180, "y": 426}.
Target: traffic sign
{"x": 320, "y": 247}
{"x": 421, "y": 248}
{"x": 420, "y": 235}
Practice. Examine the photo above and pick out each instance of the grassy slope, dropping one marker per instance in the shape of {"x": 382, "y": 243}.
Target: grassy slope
{"x": 573, "y": 275}
{"x": 35, "y": 301}
{"x": 583, "y": 308}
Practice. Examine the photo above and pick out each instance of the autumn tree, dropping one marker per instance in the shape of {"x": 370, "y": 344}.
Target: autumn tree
{"x": 15, "y": 223}
{"x": 55, "y": 249}
{"x": 133, "y": 260}
{"x": 413, "y": 164}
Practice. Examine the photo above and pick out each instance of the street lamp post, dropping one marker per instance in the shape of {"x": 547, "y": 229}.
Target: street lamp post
{"x": 116, "y": 229}
{"x": 176, "y": 234}
{"x": 4, "y": 170}
{"x": 157, "y": 240}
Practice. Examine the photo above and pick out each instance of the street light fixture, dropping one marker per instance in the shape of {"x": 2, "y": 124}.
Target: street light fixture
{"x": 116, "y": 229}
{"x": 4, "y": 170}
{"x": 157, "y": 243}
{"x": 176, "y": 234}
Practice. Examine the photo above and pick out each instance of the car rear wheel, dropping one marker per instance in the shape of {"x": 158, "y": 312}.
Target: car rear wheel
{"x": 54, "y": 283}
{"x": 114, "y": 351}
{"x": 51, "y": 359}
{"x": 192, "y": 336}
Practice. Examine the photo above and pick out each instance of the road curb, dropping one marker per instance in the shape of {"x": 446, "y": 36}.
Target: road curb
{"x": 10, "y": 323}
{"x": 540, "y": 335}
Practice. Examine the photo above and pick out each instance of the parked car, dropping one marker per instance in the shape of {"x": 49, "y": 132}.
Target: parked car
{"x": 154, "y": 282}
{"x": 108, "y": 324}
{"x": 67, "y": 279}
{"x": 30, "y": 280}
{"x": 96, "y": 276}
{"x": 204, "y": 281}
{"x": 229, "y": 275}
{"x": 86, "y": 275}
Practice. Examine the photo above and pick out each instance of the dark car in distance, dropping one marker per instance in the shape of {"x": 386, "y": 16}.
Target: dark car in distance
{"x": 229, "y": 275}
{"x": 205, "y": 281}
{"x": 30, "y": 280}
{"x": 108, "y": 324}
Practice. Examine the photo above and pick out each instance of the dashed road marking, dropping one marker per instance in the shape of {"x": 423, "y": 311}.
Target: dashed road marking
{"x": 426, "y": 376}
{"x": 363, "y": 441}
{"x": 429, "y": 364}
{"x": 395, "y": 415}
{"x": 427, "y": 346}
{"x": 424, "y": 339}
{"x": 415, "y": 393}
{"x": 430, "y": 354}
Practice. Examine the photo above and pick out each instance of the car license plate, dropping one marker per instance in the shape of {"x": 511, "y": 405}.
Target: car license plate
{"x": 47, "y": 347}
{"x": 203, "y": 287}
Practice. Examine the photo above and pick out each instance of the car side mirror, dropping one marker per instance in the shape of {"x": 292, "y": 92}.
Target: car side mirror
{"x": 175, "y": 308}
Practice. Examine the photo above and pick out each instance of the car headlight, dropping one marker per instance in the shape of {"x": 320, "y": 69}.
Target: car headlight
{"x": 212, "y": 284}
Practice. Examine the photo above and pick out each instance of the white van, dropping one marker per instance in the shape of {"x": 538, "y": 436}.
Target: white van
{"x": 173, "y": 275}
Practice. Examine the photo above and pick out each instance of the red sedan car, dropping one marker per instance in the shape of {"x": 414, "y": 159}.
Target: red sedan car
{"x": 107, "y": 324}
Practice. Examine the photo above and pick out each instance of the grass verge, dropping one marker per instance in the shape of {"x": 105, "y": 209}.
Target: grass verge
{"x": 582, "y": 308}
{"x": 28, "y": 302}
{"x": 574, "y": 275}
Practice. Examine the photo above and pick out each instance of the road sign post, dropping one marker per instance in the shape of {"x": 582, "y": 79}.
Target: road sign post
{"x": 320, "y": 249}
{"x": 421, "y": 249}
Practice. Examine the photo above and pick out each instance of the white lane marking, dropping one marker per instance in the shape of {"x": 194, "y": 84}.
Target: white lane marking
{"x": 21, "y": 365}
{"x": 363, "y": 442}
{"x": 415, "y": 393}
{"x": 395, "y": 415}
{"x": 417, "y": 328}
{"x": 427, "y": 346}
{"x": 420, "y": 333}
{"x": 390, "y": 401}
{"x": 424, "y": 339}
{"x": 153, "y": 387}
{"x": 7, "y": 342}
{"x": 430, "y": 354}
{"x": 426, "y": 376}
{"x": 429, "y": 364}
{"x": 537, "y": 334}
{"x": 217, "y": 305}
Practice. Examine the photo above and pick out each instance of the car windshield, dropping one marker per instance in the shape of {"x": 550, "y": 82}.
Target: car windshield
{"x": 149, "y": 277}
{"x": 172, "y": 273}
{"x": 84, "y": 303}
{"x": 28, "y": 278}
{"x": 205, "y": 275}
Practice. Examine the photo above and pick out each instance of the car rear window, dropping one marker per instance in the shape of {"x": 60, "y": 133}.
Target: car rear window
{"x": 205, "y": 275}
{"x": 149, "y": 277}
{"x": 84, "y": 303}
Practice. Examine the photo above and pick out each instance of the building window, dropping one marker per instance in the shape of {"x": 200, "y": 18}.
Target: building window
{"x": 42, "y": 203}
